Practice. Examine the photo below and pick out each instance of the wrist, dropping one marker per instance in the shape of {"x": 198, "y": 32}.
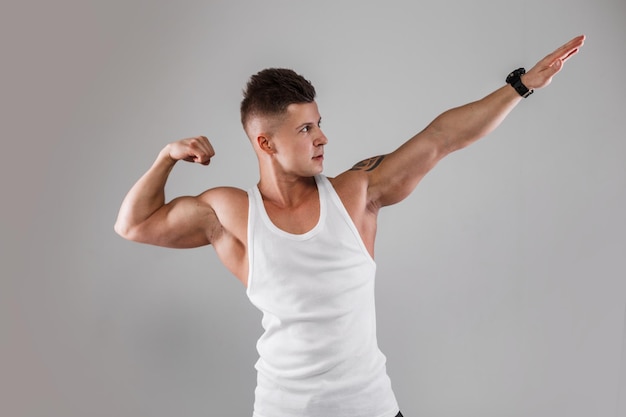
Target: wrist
{"x": 165, "y": 156}
{"x": 516, "y": 80}
{"x": 528, "y": 83}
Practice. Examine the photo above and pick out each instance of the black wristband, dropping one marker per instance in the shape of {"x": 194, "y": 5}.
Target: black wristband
{"x": 515, "y": 79}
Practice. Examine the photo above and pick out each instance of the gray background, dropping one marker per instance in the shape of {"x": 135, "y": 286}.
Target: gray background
{"x": 501, "y": 287}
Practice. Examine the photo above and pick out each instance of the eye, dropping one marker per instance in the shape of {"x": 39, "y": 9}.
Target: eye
{"x": 305, "y": 129}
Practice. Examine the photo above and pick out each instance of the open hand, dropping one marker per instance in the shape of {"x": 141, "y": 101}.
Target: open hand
{"x": 197, "y": 149}
{"x": 541, "y": 74}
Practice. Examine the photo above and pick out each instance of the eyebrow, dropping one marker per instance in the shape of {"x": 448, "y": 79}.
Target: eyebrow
{"x": 308, "y": 124}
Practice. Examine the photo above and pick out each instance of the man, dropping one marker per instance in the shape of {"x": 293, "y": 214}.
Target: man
{"x": 302, "y": 243}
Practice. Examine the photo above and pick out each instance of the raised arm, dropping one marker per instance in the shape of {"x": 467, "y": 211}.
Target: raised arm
{"x": 185, "y": 221}
{"x": 393, "y": 177}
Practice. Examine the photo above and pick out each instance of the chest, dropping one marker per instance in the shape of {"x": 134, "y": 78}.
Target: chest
{"x": 295, "y": 220}
{"x": 325, "y": 260}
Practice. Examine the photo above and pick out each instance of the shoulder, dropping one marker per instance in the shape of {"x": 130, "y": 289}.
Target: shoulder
{"x": 229, "y": 206}
{"x": 350, "y": 180}
{"x": 224, "y": 195}
{"x": 353, "y": 186}
{"x": 228, "y": 203}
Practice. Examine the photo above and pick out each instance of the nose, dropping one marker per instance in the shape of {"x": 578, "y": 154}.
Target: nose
{"x": 321, "y": 139}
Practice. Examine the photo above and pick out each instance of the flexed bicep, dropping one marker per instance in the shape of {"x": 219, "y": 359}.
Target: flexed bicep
{"x": 184, "y": 222}
{"x": 144, "y": 216}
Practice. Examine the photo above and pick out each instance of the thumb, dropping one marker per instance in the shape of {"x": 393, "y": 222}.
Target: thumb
{"x": 550, "y": 72}
{"x": 556, "y": 66}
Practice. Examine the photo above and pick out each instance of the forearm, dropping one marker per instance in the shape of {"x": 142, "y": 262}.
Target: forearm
{"x": 401, "y": 170}
{"x": 146, "y": 196}
{"x": 454, "y": 129}
{"x": 464, "y": 125}
{"x": 461, "y": 126}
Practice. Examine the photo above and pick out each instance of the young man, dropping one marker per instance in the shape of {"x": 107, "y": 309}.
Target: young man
{"x": 302, "y": 243}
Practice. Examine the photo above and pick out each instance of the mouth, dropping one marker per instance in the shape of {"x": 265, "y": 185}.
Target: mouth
{"x": 319, "y": 157}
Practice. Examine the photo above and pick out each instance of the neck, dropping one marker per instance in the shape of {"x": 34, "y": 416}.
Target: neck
{"x": 286, "y": 191}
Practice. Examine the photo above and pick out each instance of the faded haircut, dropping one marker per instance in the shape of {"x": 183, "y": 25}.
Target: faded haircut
{"x": 270, "y": 91}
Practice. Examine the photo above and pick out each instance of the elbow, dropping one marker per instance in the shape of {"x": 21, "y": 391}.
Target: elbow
{"x": 136, "y": 233}
{"x": 448, "y": 138}
{"x": 124, "y": 230}
{"x": 120, "y": 229}
{"x": 439, "y": 143}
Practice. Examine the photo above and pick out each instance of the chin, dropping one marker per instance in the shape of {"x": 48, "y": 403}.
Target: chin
{"x": 311, "y": 170}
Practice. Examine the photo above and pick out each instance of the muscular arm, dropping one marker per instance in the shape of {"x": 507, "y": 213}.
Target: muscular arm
{"x": 393, "y": 177}
{"x": 185, "y": 221}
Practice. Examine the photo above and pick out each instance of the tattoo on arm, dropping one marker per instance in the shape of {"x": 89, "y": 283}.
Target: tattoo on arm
{"x": 368, "y": 164}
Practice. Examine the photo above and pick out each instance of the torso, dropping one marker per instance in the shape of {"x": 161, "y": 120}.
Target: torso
{"x": 231, "y": 208}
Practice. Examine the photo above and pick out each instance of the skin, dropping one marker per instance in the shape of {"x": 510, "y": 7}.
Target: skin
{"x": 290, "y": 153}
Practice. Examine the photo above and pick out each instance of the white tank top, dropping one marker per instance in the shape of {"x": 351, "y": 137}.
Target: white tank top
{"x": 318, "y": 356}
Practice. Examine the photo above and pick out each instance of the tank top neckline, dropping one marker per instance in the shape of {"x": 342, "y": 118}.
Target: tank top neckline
{"x": 294, "y": 236}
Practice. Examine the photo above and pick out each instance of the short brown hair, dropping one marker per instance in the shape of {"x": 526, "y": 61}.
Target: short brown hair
{"x": 270, "y": 91}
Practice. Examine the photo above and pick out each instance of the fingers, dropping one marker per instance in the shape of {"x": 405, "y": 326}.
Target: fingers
{"x": 570, "y": 54}
{"x": 196, "y": 149}
{"x": 200, "y": 150}
{"x": 566, "y": 51}
{"x": 541, "y": 74}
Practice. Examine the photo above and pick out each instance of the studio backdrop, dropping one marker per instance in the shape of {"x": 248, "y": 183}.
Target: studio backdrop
{"x": 501, "y": 286}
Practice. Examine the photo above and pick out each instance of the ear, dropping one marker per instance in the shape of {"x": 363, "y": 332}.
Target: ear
{"x": 265, "y": 144}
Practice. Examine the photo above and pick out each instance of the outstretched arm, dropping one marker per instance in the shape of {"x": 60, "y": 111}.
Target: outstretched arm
{"x": 184, "y": 222}
{"x": 393, "y": 177}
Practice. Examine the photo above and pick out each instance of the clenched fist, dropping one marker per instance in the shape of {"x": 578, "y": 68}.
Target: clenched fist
{"x": 197, "y": 149}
